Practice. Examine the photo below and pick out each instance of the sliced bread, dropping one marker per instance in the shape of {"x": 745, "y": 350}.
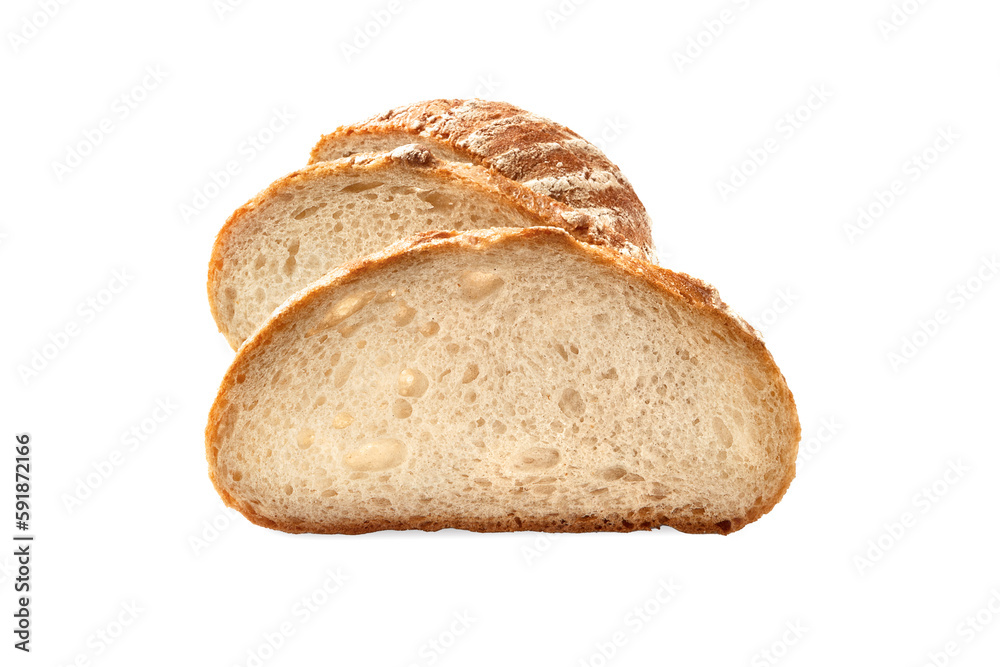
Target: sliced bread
{"x": 498, "y": 380}
{"x": 549, "y": 158}
{"x": 315, "y": 219}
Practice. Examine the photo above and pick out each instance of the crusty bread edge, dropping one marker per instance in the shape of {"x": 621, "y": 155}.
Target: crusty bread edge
{"x": 539, "y": 208}
{"x": 691, "y": 290}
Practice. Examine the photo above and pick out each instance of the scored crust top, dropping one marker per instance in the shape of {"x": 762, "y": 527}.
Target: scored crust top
{"x": 547, "y": 157}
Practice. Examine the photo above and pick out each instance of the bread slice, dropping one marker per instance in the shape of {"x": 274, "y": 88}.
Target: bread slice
{"x": 315, "y": 219}
{"x": 498, "y": 380}
{"x": 549, "y": 158}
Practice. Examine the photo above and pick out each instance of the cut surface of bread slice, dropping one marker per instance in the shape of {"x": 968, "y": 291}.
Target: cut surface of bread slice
{"x": 543, "y": 155}
{"x": 497, "y": 380}
{"x": 315, "y": 219}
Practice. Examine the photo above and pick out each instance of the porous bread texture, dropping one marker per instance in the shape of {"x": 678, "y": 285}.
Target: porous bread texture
{"x": 496, "y": 380}
{"x": 315, "y": 219}
{"x": 547, "y": 157}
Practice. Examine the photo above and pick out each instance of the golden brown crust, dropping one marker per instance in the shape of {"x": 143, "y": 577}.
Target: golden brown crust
{"x": 544, "y": 211}
{"x": 548, "y": 157}
{"x": 673, "y": 285}
{"x": 582, "y": 524}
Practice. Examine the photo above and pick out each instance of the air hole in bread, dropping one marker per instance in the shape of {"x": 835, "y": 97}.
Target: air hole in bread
{"x": 536, "y": 458}
{"x": 471, "y": 373}
{"x": 308, "y": 211}
{"x": 437, "y": 200}
{"x": 722, "y": 433}
{"x": 375, "y": 455}
{"x": 401, "y": 408}
{"x": 572, "y": 404}
{"x": 404, "y": 314}
{"x": 289, "y": 266}
{"x": 613, "y": 473}
{"x": 477, "y": 285}
{"x": 412, "y": 383}
{"x": 360, "y": 186}
{"x": 306, "y": 437}
{"x": 342, "y": 372}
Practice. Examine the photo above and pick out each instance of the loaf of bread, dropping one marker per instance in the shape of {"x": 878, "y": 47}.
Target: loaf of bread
{"x": 329, "y": 213}
{"x": 497, "y": 380}
{"x": 549, "y": 158}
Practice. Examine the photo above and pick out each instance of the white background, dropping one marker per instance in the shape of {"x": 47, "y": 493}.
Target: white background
{"x": 833, "y": 560}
